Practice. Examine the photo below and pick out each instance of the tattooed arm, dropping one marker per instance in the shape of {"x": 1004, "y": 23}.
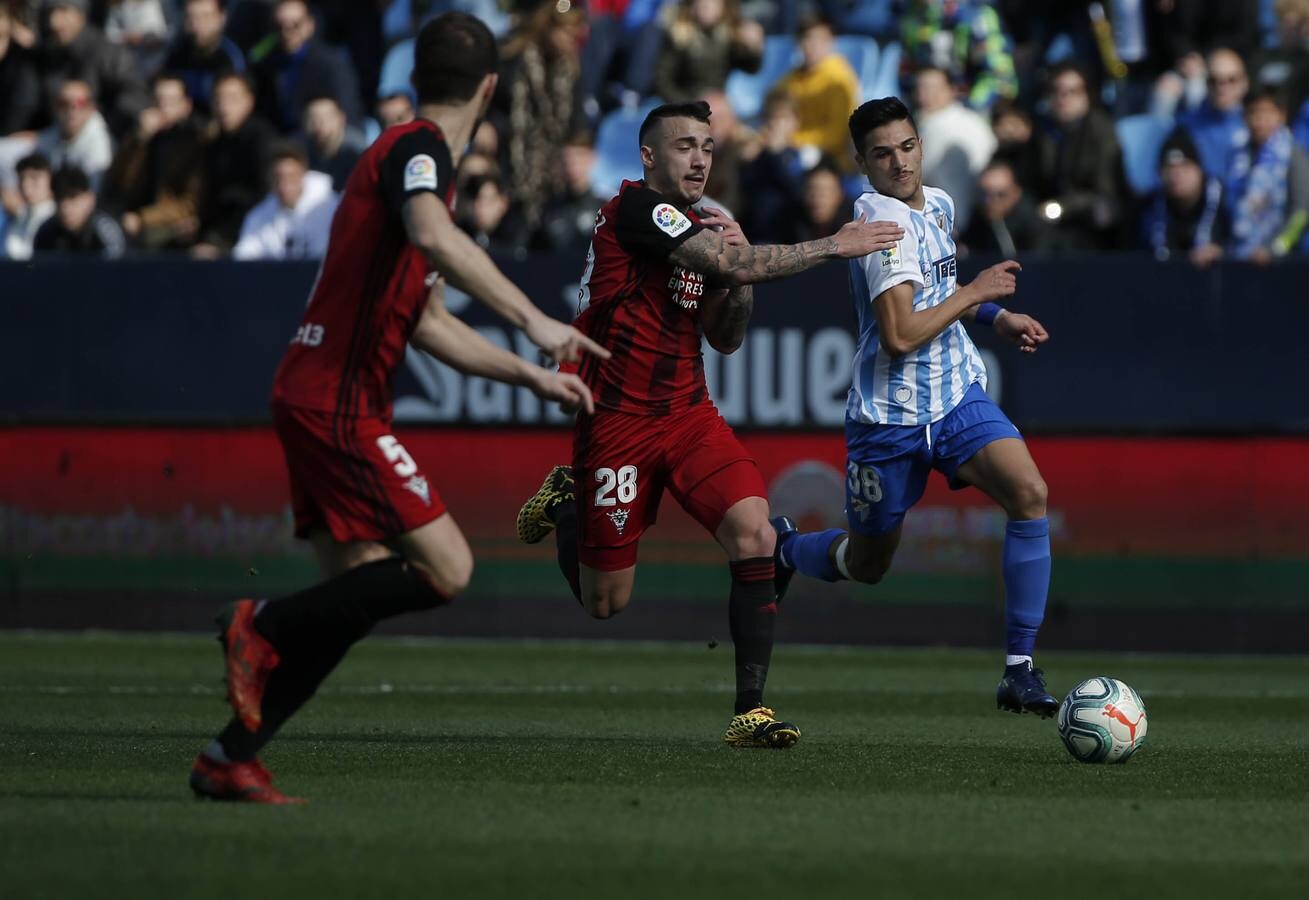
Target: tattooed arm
{"x": 738, "y": 265}
{"x": 724, "y": 315}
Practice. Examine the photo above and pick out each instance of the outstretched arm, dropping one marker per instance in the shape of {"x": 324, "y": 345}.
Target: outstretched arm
{"x": 904, "y": 329}
{"x": 451, "y": 340}
{"x": 708, "y": 253}
{"x": 468, "y": 268}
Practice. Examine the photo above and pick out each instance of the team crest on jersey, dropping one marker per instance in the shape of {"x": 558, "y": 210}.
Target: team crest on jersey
{"x": 418, "y": 484}
{"x": 940, "y": 220}
{"x": 619, "y": 518}
{"x": 669, "y": 220}
{"x": 420, "y": 173}
{"x": 891, "y": 256}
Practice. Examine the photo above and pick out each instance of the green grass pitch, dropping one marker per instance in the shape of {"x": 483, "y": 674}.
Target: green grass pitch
{"x": 496, "y": 769}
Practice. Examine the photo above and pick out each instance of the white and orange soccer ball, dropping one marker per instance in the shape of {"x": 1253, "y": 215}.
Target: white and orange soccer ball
{"x": 1102, "y": 720}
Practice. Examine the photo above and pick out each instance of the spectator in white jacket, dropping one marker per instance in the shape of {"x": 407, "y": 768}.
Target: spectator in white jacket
{"x": 294, "y": 220}
{"x": 79, "y": 136}
{"x": 957, "y": 141}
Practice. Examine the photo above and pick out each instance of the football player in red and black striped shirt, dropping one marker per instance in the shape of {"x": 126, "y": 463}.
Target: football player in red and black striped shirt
{"x": 381, "y": 533}
{"x": 661, "y": 275}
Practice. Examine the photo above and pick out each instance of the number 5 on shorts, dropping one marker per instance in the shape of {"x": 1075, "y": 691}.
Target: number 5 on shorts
{"x": 864, "y": 482}
{"x": 395, "y": 453}
{"x": 624, "y": 479}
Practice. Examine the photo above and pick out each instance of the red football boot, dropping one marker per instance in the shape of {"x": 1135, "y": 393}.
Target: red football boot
{"x": 239, "y": 782}
{"x": 250, "y": 659}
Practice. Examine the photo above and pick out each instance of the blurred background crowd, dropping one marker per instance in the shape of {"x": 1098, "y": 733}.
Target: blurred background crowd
{"x": 228, "y": 127}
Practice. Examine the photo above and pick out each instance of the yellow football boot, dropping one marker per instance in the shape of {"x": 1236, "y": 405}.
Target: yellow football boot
{"x": 759, "y": 728}
{"x": 534, "y": 521}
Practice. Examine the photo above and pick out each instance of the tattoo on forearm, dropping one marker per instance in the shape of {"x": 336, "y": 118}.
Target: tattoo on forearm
{"x": 749, "y": 264}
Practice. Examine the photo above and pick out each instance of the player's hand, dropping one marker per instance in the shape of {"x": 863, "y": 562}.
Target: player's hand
{"x": 563, "y": 342}
{"x": 861, "y": 237}
{"x": 570, "y": 391}
{"x": 727, "y": 227}
{"x": 1022, "y": 330}
{"x": 996, "y": 282}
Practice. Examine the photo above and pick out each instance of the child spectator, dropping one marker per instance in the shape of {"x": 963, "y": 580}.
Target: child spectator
{"x": 38, "y": 206}
{"x": 825, "y": 90}
{"x": 1267, "y": 183}
{"x": 77, "y": 226}
{"x": 772, "y": 181}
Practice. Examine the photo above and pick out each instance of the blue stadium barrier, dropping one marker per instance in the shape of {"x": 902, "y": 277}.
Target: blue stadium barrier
{"x": 616, "y": 143}
{"x": 863, "y": 55}
{"x": 1141, "y": 138}
{"x": 746, "y": 92}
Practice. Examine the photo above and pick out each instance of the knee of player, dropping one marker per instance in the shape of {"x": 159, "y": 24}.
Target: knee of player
{"x": 453, "y": 578}
{"x": 755, "y": 540}
{"x": 1029, "y": 498}
{"x": 867, "y": 571}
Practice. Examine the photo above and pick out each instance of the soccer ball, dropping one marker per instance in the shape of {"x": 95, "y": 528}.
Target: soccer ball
{"x": 1102, "y": 720}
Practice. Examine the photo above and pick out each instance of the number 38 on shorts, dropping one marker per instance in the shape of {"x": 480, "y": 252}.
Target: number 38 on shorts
{"x": 863, "y": 482}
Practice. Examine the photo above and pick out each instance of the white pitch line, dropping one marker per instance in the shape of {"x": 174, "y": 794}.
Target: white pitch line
{"x": 511, "y": 690}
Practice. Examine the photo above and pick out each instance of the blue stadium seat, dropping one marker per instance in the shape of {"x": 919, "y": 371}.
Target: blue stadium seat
{"x": 746, "y": 92}
{"x": 396, "y": 69}
{"x": 886, "y": 83}
{"x": 616, "y": 147}
{"x": 1142, "y": 137}
{"x": 862, "y": 53}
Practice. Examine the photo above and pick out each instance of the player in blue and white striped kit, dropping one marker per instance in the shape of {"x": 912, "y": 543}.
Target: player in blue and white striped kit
{"x": 918, "y": 400}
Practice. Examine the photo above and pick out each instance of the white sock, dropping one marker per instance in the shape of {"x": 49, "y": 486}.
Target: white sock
{"x": 216, "y": 753}
{"x": 1017, "y": 660}
{"x": 840, "y": 558}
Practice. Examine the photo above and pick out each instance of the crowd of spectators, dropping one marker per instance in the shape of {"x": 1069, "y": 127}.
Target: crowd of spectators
{"x": 230, "y": 127}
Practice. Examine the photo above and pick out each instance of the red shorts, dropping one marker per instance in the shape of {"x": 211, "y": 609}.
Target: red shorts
{"x": 623, "y": 462}
{"x": 350, "y": 476}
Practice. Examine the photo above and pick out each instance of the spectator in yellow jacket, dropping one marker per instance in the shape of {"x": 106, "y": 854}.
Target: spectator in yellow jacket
{"x": 825, "y": 90}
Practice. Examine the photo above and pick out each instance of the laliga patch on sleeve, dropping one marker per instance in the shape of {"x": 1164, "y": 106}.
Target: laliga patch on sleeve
{"x": 668, "y": 220}
{"x": 891, "y": 256}
{"x": 420, "y": 173}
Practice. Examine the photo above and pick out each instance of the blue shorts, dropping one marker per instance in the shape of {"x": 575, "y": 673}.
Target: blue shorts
{"x": 887, "y": 465}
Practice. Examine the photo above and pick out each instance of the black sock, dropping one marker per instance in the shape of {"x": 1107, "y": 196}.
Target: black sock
{"x": 313, "y": 630}
{"x": 290, "y": 686}
{"x": 340, "y": 611}
{"x": 752, "y": 613}
{"x": 565, "y": 519}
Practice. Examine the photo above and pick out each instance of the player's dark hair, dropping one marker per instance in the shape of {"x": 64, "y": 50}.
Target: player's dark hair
{"x": 452, "y": 54}
{"x": 1267, "y": 94}
{"x": 289, "y": 150}
{"x": 873, "y": 115}
{"x": 33, "y": 162}
{"x": 695, "y": 109}
{"x": 70, "y": 181}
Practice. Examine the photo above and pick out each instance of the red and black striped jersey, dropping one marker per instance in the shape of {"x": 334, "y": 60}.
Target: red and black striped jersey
{"x": 370, "y": 290}
{"x": 642, "y": 307}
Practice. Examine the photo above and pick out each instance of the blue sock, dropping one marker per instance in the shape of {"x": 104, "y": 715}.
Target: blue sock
{"x": 810, "y": 555}
{"x": 1026, "y": 563}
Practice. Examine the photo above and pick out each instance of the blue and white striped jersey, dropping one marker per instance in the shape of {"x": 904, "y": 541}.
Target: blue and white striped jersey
{"x": 923, "y": 386}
